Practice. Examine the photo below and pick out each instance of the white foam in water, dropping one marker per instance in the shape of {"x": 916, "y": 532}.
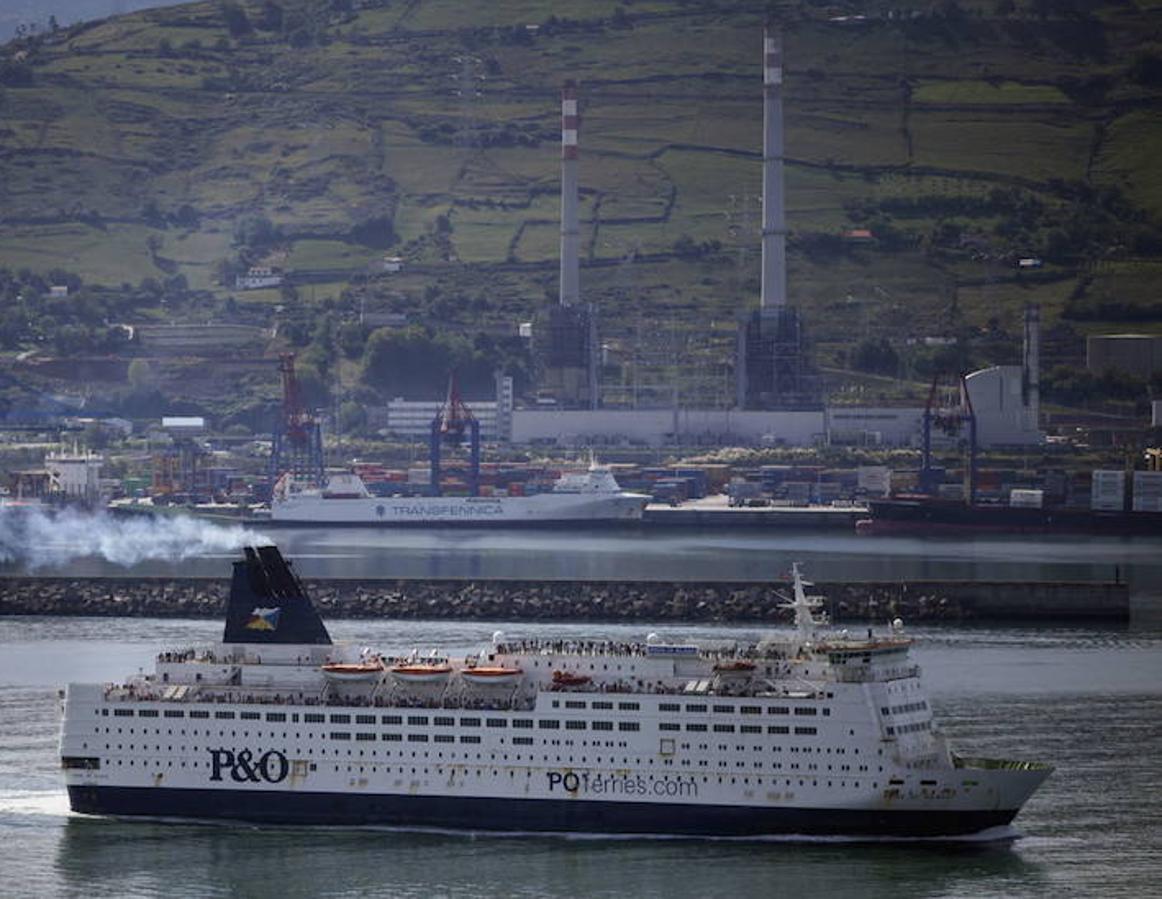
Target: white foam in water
{"x": 35, "y": 538}
{"x": 54, "y": 803}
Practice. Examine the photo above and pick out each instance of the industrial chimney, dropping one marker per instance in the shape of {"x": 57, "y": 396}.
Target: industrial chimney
{"x": 570, "y": 238}
{"x": 774, "y": 284}
{"x": 1031, "y": 366}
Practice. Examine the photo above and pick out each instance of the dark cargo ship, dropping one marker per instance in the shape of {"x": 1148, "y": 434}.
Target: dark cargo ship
{"x": 925, "y": 515}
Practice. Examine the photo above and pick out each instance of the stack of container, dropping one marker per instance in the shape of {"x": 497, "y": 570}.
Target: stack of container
{"x": 1147, "y": 491}
{"x": 1108, "y": 491}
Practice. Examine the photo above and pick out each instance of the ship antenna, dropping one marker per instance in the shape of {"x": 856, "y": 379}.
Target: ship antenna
{"x": 803, "y": 605}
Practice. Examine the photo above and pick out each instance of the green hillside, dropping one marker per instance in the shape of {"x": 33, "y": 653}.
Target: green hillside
{"x": 181, "y": 144}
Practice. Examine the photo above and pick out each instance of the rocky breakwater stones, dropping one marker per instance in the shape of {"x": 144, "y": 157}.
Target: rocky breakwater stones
{"x": 639, "y": 601}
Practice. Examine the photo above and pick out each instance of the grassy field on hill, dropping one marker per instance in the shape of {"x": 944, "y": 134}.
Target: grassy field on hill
{"x": 964, "y": 135}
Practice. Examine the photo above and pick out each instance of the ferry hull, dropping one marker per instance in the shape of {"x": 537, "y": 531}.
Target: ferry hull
{"x": 510, "y": 511}
{"x": 529, "y": 815}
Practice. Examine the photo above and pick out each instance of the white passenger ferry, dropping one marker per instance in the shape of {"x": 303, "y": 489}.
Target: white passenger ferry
{"x": 807, "y": 733}
{"x": 589, "y": 497}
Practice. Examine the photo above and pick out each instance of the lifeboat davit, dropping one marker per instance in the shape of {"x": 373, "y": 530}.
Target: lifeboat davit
{"x": 569, "y": 679}
{"x": 484, "y": 675}
{"x": 421, "y": 672}
{"x": 353, "y": 672}
{"x": 734, "y": 668}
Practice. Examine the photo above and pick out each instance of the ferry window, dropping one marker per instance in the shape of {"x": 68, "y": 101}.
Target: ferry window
{"x": 495, "y": 722}
{"x": 778, "y": 710}
{"x": 724, "y": 728}
{"x": 750, "y": 710}
{"x": 666, "y": 725}
{"x": 522, "y": 722}
{"x": 201, "y": 714}
{"x": 361, "y": 719}
{"x": 313, "y": 718}
{"x": 472, "y": 722}
{"x": 751, "y": 729}
{"x": 147, "y": 713}
{"x": 827, "y": 713}
{"x": 778, "y": 729}
{"x": 574, "y": 704}
{"x": 444, "y": 721}
{"x": 276, "y": 716}
{"x": 392, "y": 738}
{"x": 470, "y": 738}
{"x": 174, "y": 713}
{"x": 340, "y": 735}
{"x": 548, "y": 724}
{"x": 628, "y": 706}
{"x": 445, "y": 738}
{"x": 364, "y": 737}
{"x": 724, "y": 708}
{"x": 602, "y": 704}
{"x": 417, "y": 719}
{"x": 668, "y": 707}
{"x": 123, "y": 713}
{"x": 805, "y": 730}
{"x": 574, "y": 725}
{"x": 806, "y": 710}
{"x": 229, "y": 716}
{"x": 519, "y": 741}
{"x": 602, "y": 725}
{"x": 696, "y": 727}
{"x": 696, "y": 708}
{"x": 340, "y": 719}
{"x": 386, "y": 719}
{"x": 417, "y": 738}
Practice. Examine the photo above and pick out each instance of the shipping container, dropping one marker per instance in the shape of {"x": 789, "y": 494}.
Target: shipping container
{"x": 1108, "y": 490}
{"x": 1026, "y": 498}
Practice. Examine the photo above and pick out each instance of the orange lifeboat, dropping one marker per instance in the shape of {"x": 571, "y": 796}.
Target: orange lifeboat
{"x": 498, "y": 675}
{"x": 353, "y": 672}
{"x": 734, "y": 668}
{"x": 421, "y": 672}
{"x": 569, "y": 679}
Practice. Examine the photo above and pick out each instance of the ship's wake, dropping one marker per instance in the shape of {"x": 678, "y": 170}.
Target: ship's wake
{"x": 36, "y": 538}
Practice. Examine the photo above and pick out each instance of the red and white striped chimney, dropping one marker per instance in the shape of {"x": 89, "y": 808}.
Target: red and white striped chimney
{"x": 570, "y": 230}
{"x": 774, "y": 276}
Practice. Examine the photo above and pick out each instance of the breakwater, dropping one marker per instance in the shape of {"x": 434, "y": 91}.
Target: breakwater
{"x": 625, "y": 601}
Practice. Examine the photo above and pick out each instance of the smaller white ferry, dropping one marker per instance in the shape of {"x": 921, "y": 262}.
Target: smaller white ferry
{"x": 592, "y": 496}
{"x": 809, "y": 732}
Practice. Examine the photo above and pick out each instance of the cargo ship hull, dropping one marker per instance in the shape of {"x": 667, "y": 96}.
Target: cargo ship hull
{"x": 934, "y": 517}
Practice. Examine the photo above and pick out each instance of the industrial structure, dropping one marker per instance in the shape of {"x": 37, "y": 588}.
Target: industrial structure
{"x": 569, "y": 347}
{"x": 1007, "y": 398}
{"x": 452, "y": 424}
{"x": 297, "y": 444}
{"x": 773, "y": 370}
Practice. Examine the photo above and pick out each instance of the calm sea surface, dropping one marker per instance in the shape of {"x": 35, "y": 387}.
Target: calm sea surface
{"x": 1087, "y": 700}
{"x": 625, "y": 554}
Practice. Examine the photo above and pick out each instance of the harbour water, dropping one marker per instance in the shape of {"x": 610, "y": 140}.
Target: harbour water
{"x": 1088, "y": 701}
{"x": 625, "y": 554}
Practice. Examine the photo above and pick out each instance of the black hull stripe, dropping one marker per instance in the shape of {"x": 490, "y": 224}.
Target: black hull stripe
{"x": 526, "y": 815}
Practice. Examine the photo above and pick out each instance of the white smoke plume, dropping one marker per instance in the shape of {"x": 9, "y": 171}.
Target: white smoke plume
{"x": 35, "y": 538}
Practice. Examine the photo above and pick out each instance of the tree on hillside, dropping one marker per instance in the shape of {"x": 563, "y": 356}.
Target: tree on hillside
{"x": 415, "y": 363}
{"x": 237, "y": 22}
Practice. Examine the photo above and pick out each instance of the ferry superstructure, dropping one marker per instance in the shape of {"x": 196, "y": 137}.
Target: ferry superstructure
{"x": 807, "y": 733}
{"x": 593, "y": 496}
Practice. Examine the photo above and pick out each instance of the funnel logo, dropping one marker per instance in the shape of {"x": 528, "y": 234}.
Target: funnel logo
{"x": 263, "y": 620}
